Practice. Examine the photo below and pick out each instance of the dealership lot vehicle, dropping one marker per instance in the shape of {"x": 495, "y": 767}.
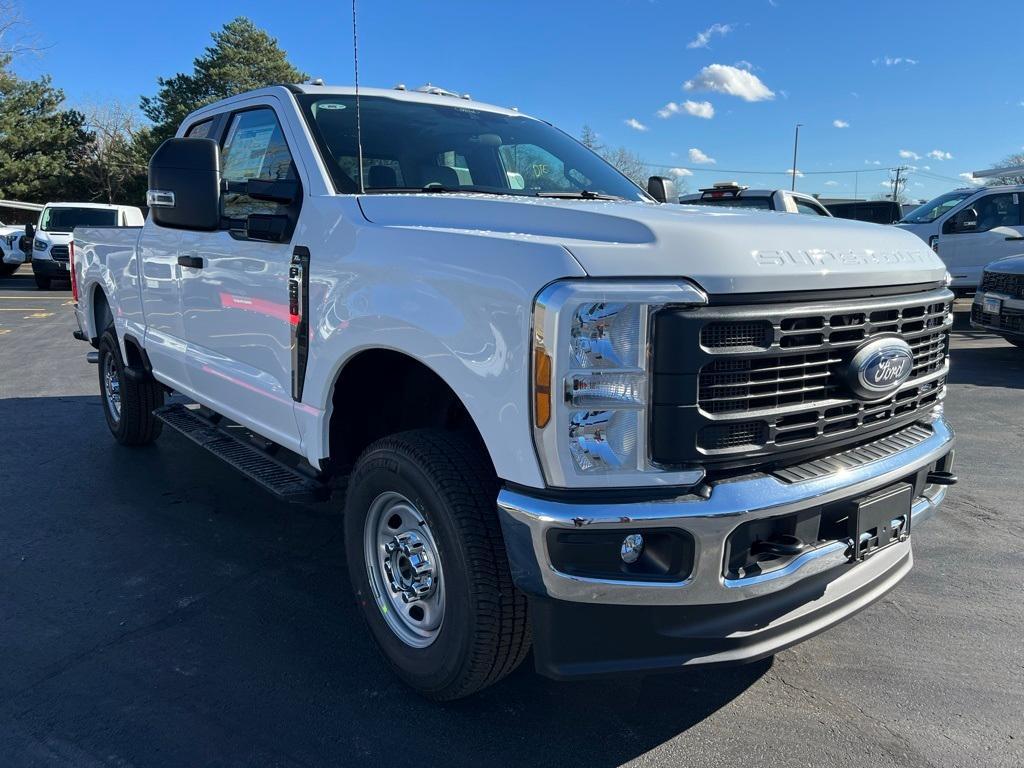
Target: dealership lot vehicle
{"x": 999, "y": 303}
{"x": 51, "y": 239}
{"x": 560, "y": 422}
{"x": 731, "y": 194}
{"x": 157, "y": 592}
{"x": 11, "y": 256}
{"x": 875, "y": 211}
{"x": 970, "y": 228}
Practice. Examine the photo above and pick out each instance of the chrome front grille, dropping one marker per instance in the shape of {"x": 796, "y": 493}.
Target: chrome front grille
{"x": 767, "y": 379}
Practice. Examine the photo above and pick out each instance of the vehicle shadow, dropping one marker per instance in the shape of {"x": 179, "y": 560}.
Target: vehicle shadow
{"x": 984, "y": 360}
{"x": 22, "y": 280}
{"x": 159, "y": 607}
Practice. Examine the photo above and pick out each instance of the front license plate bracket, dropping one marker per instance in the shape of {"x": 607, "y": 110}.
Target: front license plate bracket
{"x": 992, "y": 305}
{"x": 880, "y": 520}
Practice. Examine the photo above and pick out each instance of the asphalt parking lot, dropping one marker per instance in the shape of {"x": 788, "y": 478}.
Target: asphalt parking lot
{"x": 156, "y": 609}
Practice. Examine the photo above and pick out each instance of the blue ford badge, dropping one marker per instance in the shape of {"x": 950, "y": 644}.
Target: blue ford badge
{"x": 879, "y": 367}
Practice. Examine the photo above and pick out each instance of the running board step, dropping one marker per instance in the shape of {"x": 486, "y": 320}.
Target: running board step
{"x": 275, "y": 476}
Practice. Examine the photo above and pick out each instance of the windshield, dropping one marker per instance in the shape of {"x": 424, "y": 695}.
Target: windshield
{"x": 66, "y": 219}
{"x": 413, "y": 147}
{"x": 734, "y": 202}
{"x": 931, "y": 210}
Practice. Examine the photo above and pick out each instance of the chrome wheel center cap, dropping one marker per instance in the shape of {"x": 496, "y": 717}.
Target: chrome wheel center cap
{"x": 408, "y": 567}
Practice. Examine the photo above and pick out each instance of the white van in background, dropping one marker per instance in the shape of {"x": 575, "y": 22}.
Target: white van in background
{"x": 970, "y": 228}
{"x": 51, "y": 240}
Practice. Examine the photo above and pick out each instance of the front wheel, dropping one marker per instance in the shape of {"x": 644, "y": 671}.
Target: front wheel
{"x": 6, "y": 270}
{"x": 128, "y": 404}
{"x": 428, "y": 565}
{"x": 42, "y": 283}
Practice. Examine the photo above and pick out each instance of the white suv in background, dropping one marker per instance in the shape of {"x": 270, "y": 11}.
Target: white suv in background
{"x": 970, "y": 228}
{"x": 51, "y": 241}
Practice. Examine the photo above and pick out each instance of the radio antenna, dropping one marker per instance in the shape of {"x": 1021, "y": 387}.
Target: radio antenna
{"x": 359, "y": 123}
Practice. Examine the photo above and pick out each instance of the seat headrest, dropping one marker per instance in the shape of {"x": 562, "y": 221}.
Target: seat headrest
{"x": 381, "y": 177}
{"x": 439, "y": 174}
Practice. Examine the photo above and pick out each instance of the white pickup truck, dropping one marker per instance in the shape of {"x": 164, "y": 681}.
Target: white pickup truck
{"x": 632, "y": 436}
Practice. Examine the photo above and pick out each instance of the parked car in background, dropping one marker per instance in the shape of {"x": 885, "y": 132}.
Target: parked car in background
{"x": 637, "y": 435}
{"x": 11, "y": 255}
{"x": 999, "y": 303}
{"x": 875, "y": 211}
{"x": 970, "y": 228}
{"x": 51, "y": 239}
{"x": 731, "y": 194}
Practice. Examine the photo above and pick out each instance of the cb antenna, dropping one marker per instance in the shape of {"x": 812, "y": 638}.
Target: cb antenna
{"x": 359, "y": 124}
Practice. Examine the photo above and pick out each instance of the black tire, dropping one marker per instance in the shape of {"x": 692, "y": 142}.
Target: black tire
{"x": 42, "y": 283}
{"x": 485, "y": 631}
{"x": 1016, "y": 342}
{"x": 136, "y": 424}
{"x": 6, "y": 270}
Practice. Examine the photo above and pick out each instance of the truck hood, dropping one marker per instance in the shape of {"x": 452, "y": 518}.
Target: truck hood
{"x": 723, "y": 250}
{"x": 1011, "y": 265}
{"x": 53, "y": 238}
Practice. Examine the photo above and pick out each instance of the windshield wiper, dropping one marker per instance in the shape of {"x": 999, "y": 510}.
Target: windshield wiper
{"x": 583, "y": 194}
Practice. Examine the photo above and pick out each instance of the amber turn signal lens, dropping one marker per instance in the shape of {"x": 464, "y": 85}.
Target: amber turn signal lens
{"x": 541, "y": 388}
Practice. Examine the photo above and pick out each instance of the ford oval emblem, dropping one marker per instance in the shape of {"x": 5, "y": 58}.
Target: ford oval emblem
{"x": 879, "y": 367}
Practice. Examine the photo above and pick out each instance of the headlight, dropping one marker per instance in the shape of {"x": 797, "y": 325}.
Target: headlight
{"x": 591, "y": 379}
{"x": 39, "y": 245}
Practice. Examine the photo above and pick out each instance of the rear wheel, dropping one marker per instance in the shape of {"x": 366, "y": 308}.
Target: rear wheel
{"x": 128, "y": 403}
{"x": 6, "y": 270}
{"x": 428, "y": 565}
{"x": 42, "y": 283}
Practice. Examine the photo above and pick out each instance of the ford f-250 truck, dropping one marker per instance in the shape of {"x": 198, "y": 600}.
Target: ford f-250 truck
{"x": 632, "y": 436}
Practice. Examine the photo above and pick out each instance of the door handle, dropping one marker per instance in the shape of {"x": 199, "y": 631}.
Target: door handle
{"x": 1016, "y": 237}
{"x": 193, "y": 262}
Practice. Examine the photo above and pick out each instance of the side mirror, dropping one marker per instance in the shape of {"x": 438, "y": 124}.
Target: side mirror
{"x": 662, "y": 189}
{"x": 184, "y": 184}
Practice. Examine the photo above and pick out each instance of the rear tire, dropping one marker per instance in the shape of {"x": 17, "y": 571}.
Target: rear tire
{"x": 128, "y": 404}
{"x": 442, "y": 489}
{"x": 6, "y": 270}
{"x": 42, "y": 283}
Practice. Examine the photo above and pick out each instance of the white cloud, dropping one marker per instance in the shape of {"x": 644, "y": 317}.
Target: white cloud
{"x": 831, "y": 183}
{"x": 730, "y": 80}
{"x": 680, "y": 172}
{"x": 702, "y": 109}
{"x": 970, "y": 179}
{"x": 906, "y": 154}
{"x": 938, "y": 154}
{"x": 790, "y": 172}
{"x": 840, "y": 124}
{"x": 743, "y": 64}
{"x": 926, "y": 167}
{"x": 893, "y": 61}
{"x": 887, "y": 183}
{"x": 703, "y": 38}
{"x": 696, "y": 156}
{"x": 872, "y": 162}
{"x": 635, "y": 124}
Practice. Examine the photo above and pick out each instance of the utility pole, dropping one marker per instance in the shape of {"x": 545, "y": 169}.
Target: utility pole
{"x": 896, "y": 184}
{"x": 796, "y": 143}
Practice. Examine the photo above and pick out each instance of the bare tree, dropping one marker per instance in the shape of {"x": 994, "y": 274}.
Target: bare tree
{"x": 1010, "y": 161}
{"x": 112, "y": 166}
{"x": 14, "y": 40}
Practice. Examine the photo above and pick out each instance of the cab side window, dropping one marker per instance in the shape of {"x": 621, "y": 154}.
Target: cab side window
{"x": 254, "y": 149}
{"x": 1002, "y": 210}
{"x": 803, "y": 206}
{"x": 200, "y": 130}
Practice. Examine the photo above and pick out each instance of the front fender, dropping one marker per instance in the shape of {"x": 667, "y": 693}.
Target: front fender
{"x": 458, "y": 302}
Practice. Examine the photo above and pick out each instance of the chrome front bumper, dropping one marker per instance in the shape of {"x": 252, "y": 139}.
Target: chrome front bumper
{"x": 526, "y": 521}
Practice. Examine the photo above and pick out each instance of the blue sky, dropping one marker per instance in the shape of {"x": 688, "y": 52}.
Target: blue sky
{"x": 911, "y": 77}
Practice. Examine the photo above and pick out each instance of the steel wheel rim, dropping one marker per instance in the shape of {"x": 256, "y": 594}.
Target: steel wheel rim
{"x": 112, "y": 387}
{"x": 404, "y": 568}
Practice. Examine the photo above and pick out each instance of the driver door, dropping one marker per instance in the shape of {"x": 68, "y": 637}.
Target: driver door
{"x": 234, "y": 301}
{"x": 996, "y": 232}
